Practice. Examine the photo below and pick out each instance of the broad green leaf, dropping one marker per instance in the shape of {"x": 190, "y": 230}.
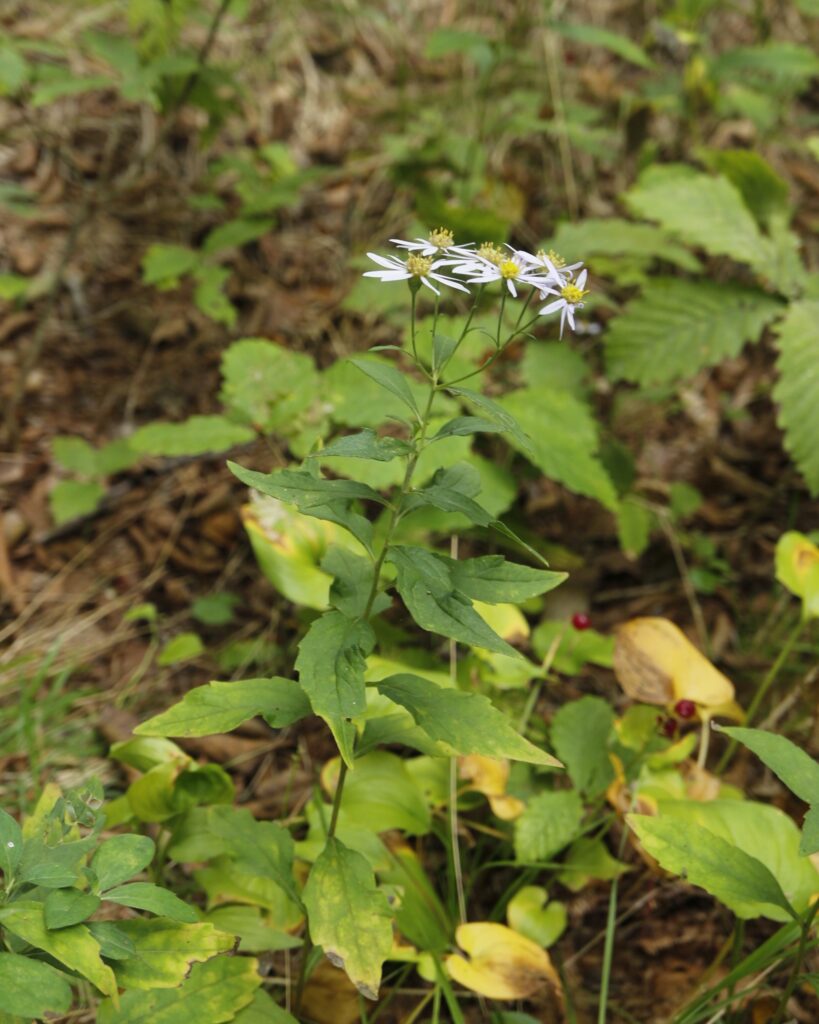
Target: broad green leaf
{"x": 194, "y": 436}
{"x": 32, "y": 989}
{"x": 70, "y": 499}
{"x": 268, "y": 385}
{"x": 615, "y": 237}
{"x": 75, "y": 454}
{"x": 794, "y": 766}
{"x": 144, "y": 753}
{"x": 11, "y": 845}
{"x": 634, "y": 523}
{"x": 580, "y": 733}
{"x": 210, "y": 297}
{"x": 250, "y": 924}
{"x": 261, "y": 848}
{"x": 356, "y": 400}
{"x": 53, "y": 867}
{"x": 302, "y": 489}
{"x": 563, "y": 442}
{"x": 701, "y": 209}
{"x": 740, "y": 881}
{"x": 380, "y": 795}
{"x": 389, "y": 377}
{"x": 219, "y": 707}
{"x": 427, "y": 588}
{"x": 215, "y": 609}
{"x": 349, "y": 916}
{"x": 64, "y": 907}
{"x": 451, "y": 490}
{"x": 571, "y": 649}
{"x": 594, "y": 35}
{"x": 764, "y": 192}
{"x": 164, "y": 265}
{"x": 212, "y": 994}
{"x": 114, "y": 943}
{"x": 352, "y": 582}
{"x": 496, "y": 414}
{"x": 782, "y": 63}
{"x": 234, "y": 233}
{"x": 74, "y": 947}
{"x": 549, "y": 823}
{"x": 262, "y": 1010}
{"x": 466, "y": 723}
{"x": 588, "y": 859}
{"x": 183, "y": 647}
{"x": 120, "y": 858}
{"x": 365, "y": 445}
{"x": 150, "y": 897}
{"x": 331, "y": 662}
{"x": 165, "y": 951}
{"x": 676, "y": 327}
{"x": 530, "y": 913}
{"x": 797, "y": 390}
{"x": 494, "y": 580}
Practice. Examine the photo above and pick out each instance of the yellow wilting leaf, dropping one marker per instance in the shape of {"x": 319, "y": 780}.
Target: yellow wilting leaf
{"x": 507, "y": 620}
{"x": 655, "y": 662}
{"x": 502, "y": 964}
{"x": 490, "y": 776}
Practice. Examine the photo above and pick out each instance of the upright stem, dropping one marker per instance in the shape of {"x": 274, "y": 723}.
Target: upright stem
{"x": 805, "y": 925}
{"x": 454, "y": 842}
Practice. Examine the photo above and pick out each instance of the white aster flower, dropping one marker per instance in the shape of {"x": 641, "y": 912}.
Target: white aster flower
{"x": 558, "y": 273}
{"x": 493, "y": 264}
{"x": 420, "y": 269}
{"x": 570, "y": 299}
{"x": 439, "y": 241}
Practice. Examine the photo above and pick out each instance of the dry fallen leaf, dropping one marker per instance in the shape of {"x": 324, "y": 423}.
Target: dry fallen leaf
{"x": 502, "y": 964}
{"x": 655, "y": 662}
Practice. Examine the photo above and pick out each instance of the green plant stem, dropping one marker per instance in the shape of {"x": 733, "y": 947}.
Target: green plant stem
{"x": 413, "y": 315}
{"x": 793, "y": 978}
{"x": 454, "y": 843}
{"x": 762, "y": 690}
{"x": 608, "y": 946}
{"x": 342, "y": 775}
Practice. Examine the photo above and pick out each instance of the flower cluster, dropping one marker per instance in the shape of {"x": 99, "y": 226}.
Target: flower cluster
{"x": 438, "y": 259}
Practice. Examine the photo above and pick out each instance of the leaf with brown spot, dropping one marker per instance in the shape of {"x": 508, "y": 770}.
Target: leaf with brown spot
{"x": 502, "y": 964}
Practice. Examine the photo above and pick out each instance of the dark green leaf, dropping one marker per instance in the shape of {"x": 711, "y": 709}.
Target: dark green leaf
{"x": 451, "y": 490}
{"x": 797, "y": 390}
{"x": 493, "y": 580}
{"x": 496, "y": 414}
{"x": 580, "y": 733}
{"x": 550, "y": 822}
{"x": 302, "y": 489}
{"x": 120, "y": 858}
{"x": 391, "y": 379}
{"x": 11, "y": 844}
{"x": 352, "y": 582}
{"x": 463, "y": 426}
{"x": 365, "y": 445}
{"x": 32, "y": 989}
{"x": 64, "y": 907}
{"x": 146, "y": 896}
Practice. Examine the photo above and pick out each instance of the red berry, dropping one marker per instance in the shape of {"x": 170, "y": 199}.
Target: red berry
{"x": 580, "y": 620}
{"x": 685, "y": 708}
{"x": 669, "y": 728}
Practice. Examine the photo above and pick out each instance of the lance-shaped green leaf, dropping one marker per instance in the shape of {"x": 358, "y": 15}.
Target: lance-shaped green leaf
{"x": 219, "y": 707}
{"x": 495, "y": 413}
{"x": 146, "y": 896}
{"x": 798, "y": 385}
{"x": 794, "y": 766}
{"x": 463, "y": 426}
{"x": 165, "y": 951}
{"x": 451, "y": 490}
{"x": 302, "y": 489}
{"x": 32, "y": 989}
{"x": 427, "y": 588}
{"x": 740, "y": 881}
{"x": 75, "y": 946}
{"x": 213, "y": 993}
{"x": 352, "y": 582}
{"x": 349, "y": 916}
{"x": 466, "y": 723}
{"x": 331, "y": 663}
{"x": 493, "y": 580}
{"x": 391, "y": 379}
{"x": 64, "y": 907}
{"x": 11, "y": 844}
{"x": 365, "y": 445}
{"x": 120, "y": 858}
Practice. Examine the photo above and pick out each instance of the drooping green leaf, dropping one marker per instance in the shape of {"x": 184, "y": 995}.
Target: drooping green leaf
{"x": 114, "y": 943}
{"x": 365, "y": 445}
{"x": 150, "y": 897}
{"x": 194, "y": 436}
{"x": 381, "y": 795}
{"x": 331, "y": 663}
{"x": 466, "y": 723}
{"x": 352, "y": 582}
{"x": 780, "y": 63}
{"x": 64, "y": 907}
{"x": 735, "y": 877}
{"x": 451, "y": 490}
{"x": 676, "y": 327}
{"x": 550, "y": 822}
{"x": 349, "y": 916}
{"x": 75, "y": 946}
{"x": 219, "y": 707}
{"x": 580, "y": 733}
{"x": 302, "y": 489}
{"x": 496, "y": 414}
{"x": 427, "y": 588}
{"x": 389, "y": 377}
{"x": 261, "y": 848}
{"x": 494, "y": 580}
{"x": 797, "y": 390}
{"x": 563, "y": 442}
{"x": 251, "y": 926}
{"x": 32, "y": 989}
{"x": 213, "y": 993}
{"x": 595, "y": 35}
{"x": 764, "y": 192}
{"x": 165, "y": 951}
{"x": 120, "y": 858}
{"x": 463, "y": 426}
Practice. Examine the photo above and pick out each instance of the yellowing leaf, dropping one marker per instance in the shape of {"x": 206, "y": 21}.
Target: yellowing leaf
{"x": 655, "y": 662}
{"x": 490, "y": 776}
{"x": 507, "y": 620}
{"x": 797, "y": 567}
{"x": 502, "y": 964}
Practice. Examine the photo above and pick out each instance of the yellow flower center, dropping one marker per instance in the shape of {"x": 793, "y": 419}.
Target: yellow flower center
{"x": 572, "y": 294}
{"x": 509, "y": 269}
{"x": 554, "y": 257}
{"x": 490, "y": 251}
{"x": 419, "y": 266}
{"x": 441, "y": 237}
